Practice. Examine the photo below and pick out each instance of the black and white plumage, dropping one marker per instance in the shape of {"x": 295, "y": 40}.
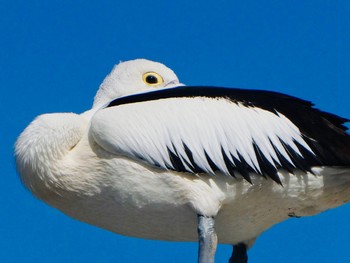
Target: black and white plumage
{"x": 152, "y": 155}
{"x": 250, "y": 130}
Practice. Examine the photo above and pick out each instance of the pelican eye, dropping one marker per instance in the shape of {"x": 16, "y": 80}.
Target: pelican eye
{"x": 152, "y": 79}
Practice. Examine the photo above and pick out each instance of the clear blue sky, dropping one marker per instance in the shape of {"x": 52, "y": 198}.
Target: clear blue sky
{"x": 54, "y": 54}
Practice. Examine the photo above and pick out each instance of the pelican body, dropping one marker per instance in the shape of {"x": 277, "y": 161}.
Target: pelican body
{"x": 159, "y": 160}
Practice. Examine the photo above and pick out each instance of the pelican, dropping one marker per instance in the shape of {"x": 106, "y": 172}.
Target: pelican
{"x": 156, "y": 159}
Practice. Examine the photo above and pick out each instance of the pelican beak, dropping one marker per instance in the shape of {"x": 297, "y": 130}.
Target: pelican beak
{"x": 173, "y": 83}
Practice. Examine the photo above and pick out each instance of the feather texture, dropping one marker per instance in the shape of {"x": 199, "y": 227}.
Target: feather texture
{"x": 186, "y": 135}
{"x": 184, "y": 129}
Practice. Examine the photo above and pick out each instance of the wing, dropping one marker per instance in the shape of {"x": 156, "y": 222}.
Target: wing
{"x": 232, "y": 131}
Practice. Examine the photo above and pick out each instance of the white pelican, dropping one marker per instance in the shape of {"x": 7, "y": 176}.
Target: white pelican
{"x": 159, "y": 160}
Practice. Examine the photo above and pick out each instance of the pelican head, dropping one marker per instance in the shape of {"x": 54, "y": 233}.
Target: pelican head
{"x": 134, "y": 76}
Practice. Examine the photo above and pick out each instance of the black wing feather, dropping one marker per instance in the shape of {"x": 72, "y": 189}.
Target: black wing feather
{"x": 325, "y": 133}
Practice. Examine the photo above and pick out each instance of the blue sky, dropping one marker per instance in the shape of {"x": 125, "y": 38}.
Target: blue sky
{"x": 54, "y": 54}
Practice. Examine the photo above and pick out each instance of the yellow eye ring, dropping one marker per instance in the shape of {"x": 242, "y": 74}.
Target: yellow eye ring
{"x": 152, "y": 79}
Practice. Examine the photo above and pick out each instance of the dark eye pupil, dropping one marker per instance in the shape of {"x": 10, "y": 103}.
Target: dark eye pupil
{"x": 151, "y": 79}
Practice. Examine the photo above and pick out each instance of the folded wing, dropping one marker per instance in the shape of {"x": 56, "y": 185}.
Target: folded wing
{"x": 220, "y": 130}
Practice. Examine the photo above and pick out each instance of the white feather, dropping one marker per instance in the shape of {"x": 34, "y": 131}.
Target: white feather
{"x": 89, "y": 167}
{"x": 147, "y": 129}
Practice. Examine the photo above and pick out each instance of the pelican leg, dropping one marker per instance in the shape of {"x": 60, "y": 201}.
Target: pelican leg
{"x": 239, "y": 254}
{"x": 207, "y": 239}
